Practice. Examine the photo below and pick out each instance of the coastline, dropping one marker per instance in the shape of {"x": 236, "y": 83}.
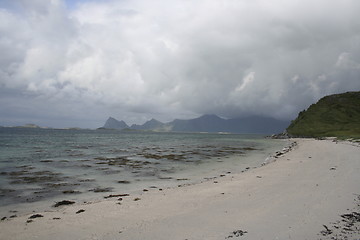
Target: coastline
{"x": 293, "y": 196}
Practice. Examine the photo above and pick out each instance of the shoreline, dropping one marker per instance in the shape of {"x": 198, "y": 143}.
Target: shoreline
{"x": 210, "y": 169}
{"x": 293, "y": 196}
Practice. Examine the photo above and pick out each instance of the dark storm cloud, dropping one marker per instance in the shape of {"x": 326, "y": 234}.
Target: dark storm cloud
{"x": 138, "y": 59}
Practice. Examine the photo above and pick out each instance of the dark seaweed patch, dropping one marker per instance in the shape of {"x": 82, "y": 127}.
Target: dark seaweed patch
{"x": 124, "y": 182}
{"x": 64, "y": 202}
{"x": 87, "y": 180}
{"x": 174, "y": 157}
{"x": 6, "y": 191}
{"x": 24, "y": 176}
{"x": 46, "y": 161}
{"x": 70, "y": 192}
{"x": 236, "y": 233}
{"x": 100, "y": 189}
{"x": 348, "y": 227}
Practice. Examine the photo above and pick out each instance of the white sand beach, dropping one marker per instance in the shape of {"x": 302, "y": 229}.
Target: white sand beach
{"x": 301, "y": 195}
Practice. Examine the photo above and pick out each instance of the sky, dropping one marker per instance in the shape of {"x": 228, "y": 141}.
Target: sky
{"x": 67, "y": 63}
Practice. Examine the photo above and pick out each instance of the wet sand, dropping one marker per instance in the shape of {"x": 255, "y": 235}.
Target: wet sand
{"x": 311, "y": 192}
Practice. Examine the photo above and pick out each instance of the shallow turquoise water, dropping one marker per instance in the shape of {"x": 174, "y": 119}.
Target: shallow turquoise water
{"x": 39, "y": 165}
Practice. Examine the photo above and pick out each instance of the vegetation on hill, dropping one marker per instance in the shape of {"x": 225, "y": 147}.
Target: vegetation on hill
{"x": 336, "y": 115}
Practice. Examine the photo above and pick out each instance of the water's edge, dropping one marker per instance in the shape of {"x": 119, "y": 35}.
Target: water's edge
{"x": 86, "y": 167}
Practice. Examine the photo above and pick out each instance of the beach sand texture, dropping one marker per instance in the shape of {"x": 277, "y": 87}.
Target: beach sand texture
{"x": 304, "y": 194}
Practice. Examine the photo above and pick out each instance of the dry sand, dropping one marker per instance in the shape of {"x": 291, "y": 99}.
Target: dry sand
{"x": 291, "y": 198}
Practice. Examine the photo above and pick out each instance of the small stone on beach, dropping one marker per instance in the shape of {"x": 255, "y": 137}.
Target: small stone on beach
{"x": 64, "y": 202}
{"x": 124, "y": 182}
{"x": 36, "y": 216}
{"x": 80, "y": 211}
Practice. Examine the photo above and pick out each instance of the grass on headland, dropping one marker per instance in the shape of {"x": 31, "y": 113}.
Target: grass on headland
{"x": 332, "y": 116}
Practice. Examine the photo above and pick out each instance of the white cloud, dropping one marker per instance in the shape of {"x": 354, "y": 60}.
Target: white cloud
{"x": 246, "y": 81}
{"x": 136, "y": 59}
{"x": 345, "y": 62}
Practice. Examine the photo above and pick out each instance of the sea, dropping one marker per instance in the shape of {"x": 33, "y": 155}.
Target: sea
{"x": 39, "y": 167}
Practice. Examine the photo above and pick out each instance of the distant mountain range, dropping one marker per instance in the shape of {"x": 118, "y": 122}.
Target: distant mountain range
{"x": 207, "y": 123}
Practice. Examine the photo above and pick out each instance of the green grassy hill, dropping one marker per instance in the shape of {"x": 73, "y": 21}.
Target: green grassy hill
{"x": 336, "y": 115}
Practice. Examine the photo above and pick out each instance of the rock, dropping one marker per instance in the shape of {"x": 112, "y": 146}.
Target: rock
{"x": 64, "y": 202}
{"x": 36, "y": 216}
{"x": 80, "y": 211}
{"x": 124, "y": 182}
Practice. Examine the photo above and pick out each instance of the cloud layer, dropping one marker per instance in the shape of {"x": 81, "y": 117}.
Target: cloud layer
{"x": 137, "y": 59}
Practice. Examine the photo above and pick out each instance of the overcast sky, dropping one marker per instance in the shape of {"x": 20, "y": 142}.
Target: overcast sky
{"x": 75, "y": 63}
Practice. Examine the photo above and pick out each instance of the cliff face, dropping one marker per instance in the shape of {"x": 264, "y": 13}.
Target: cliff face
{"x": 335, "y": 115}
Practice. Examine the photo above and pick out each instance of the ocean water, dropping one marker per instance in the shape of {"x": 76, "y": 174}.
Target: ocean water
{"x": 39, "y": 167}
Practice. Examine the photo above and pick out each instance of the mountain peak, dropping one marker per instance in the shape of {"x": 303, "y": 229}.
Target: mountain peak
{"x": 210, "y": 116}
{"x": 149, "y": 125}
{"x": 113, "y": 123}
{"x": 153, "y": 120}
